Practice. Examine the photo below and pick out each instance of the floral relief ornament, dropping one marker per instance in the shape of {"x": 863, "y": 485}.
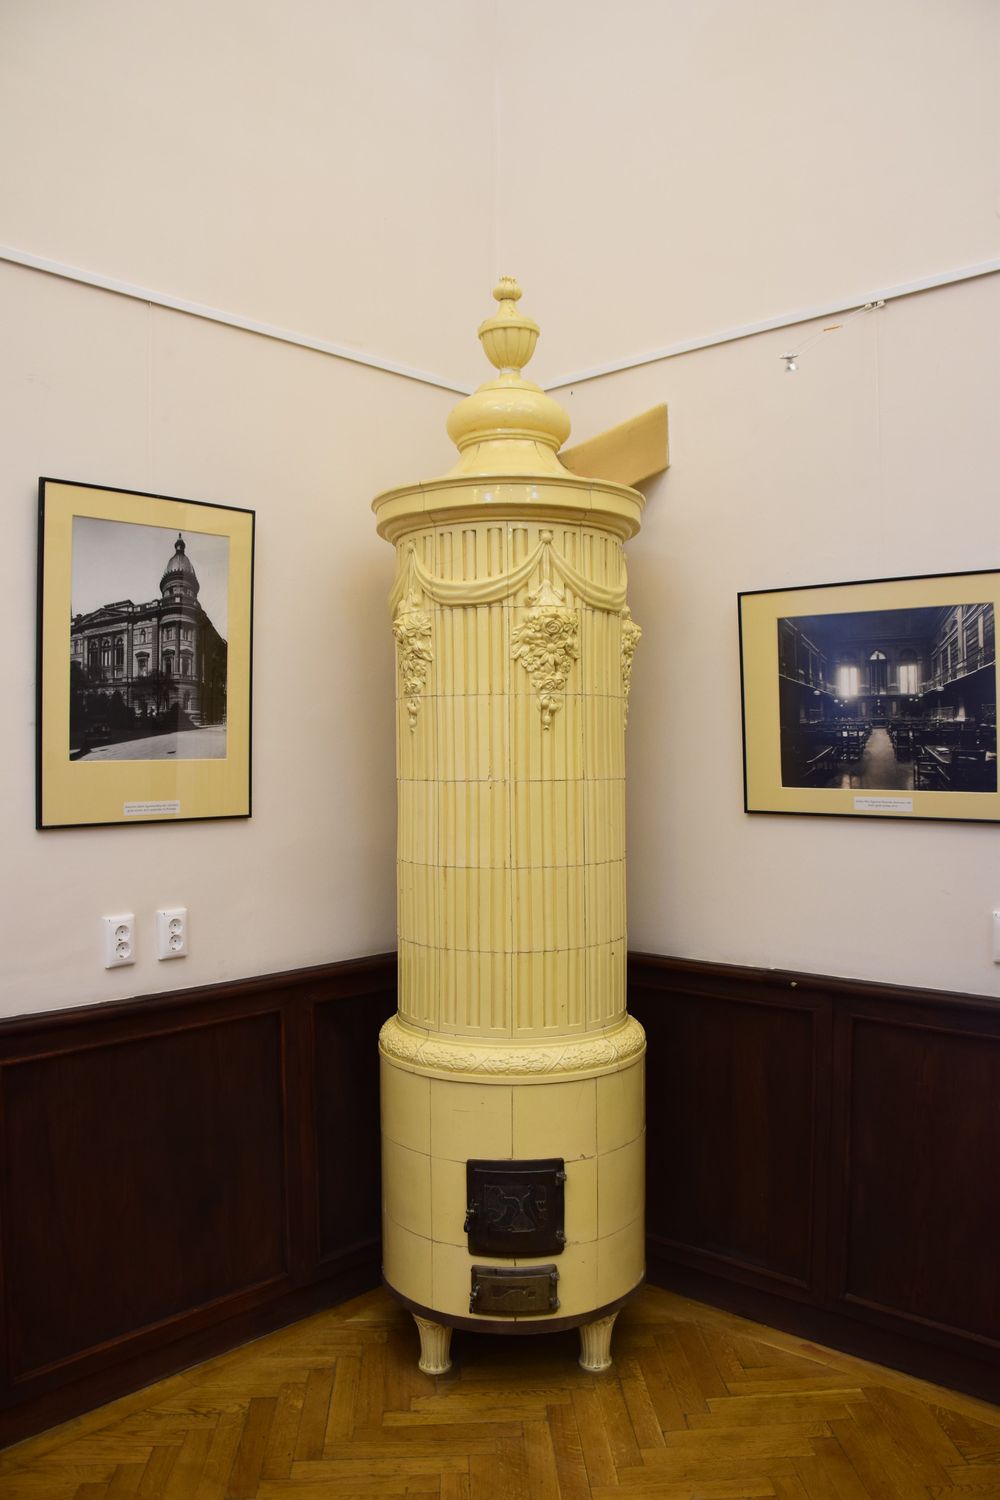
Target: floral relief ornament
{"x": 547, "y": 644}
{"x": 630, "y": 639}
{"x": 412, "y": 629}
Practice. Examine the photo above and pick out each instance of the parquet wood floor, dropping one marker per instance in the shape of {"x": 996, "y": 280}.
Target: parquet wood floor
{"x": 700, "y": 1405}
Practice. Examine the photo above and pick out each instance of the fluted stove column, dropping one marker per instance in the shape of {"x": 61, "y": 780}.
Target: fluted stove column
{"x": 512, "y": 1075}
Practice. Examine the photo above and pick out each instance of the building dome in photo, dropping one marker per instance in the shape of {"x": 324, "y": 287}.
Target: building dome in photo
{"x": 180, "y": 569}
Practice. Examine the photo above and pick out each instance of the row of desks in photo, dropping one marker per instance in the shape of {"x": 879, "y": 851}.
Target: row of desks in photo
{"x": 945, "y": 768}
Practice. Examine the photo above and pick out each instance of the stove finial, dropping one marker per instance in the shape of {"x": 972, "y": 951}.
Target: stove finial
{"x": 509, "y": 337}
{"x": 508, "y": 427}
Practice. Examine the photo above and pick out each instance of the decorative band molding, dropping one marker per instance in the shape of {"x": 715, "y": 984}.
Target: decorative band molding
{"x": 494, "y": 1062}
{"x": 458, "y": 591}
{"x": 546, "y": 642}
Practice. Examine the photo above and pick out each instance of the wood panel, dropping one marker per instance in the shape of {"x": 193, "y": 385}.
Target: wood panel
{"x": 165, "y": 1167}
{"x": 141, "y": 1179}
{"x": 921, "y": 1144}
{"x": 347, "y": 1113}
{"x": 877, "y": 1143}
{"x": 735, "y": 1129}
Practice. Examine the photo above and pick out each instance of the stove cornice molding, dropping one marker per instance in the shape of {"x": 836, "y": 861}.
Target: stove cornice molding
{"x": 581, "y": 1056}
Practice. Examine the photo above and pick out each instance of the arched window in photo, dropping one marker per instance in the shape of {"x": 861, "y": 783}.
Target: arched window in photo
{"x": 878, "y": 672}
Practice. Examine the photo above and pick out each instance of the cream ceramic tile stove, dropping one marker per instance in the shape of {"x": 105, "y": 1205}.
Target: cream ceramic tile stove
{"x": 512, "y": 1076}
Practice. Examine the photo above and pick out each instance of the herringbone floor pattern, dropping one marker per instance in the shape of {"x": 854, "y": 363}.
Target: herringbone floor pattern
{"x": 700, "y": 1405}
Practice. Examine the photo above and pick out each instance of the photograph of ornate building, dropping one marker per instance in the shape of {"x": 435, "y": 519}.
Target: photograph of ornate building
{"x": 896, "y": 699}
{"x": 147, "y": 680}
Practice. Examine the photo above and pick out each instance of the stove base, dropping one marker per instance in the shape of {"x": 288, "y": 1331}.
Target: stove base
{"x": 435, "y": 1331}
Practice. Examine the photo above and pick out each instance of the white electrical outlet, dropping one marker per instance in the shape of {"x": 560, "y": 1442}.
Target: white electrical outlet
{"x": 119, "y": 940}
{"x": 172, "y": 932}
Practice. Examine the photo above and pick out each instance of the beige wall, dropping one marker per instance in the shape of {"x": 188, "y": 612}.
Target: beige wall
{"x": 298, "y": 163}
{"x": 668, "y": 168}
{"x": 878, "y": 458}
{"x": 323, "y": 165}
{"x": 707, "y": 166}
{"x": 98, "y": 387}
{"x": 651, "y": 173}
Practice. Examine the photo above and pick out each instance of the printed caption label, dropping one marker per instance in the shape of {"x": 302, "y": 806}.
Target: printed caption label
{"x": 883, "y": 804}
{"x": 151, "y": 809}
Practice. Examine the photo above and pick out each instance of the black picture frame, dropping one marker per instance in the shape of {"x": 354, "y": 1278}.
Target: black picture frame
{"x": 874, "y": 698}
{"x": 144, "y": 714}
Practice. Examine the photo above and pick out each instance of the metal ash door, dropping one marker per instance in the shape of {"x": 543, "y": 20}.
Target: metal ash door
{"x": 516, "y": 1207}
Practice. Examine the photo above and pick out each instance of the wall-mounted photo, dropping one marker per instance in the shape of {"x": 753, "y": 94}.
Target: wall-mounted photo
{"x": 145, "y": 633}
{"x": 872, "y": 699}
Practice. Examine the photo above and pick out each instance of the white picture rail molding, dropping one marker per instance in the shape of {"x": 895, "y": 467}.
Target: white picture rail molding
{"x": 427, "y": 377}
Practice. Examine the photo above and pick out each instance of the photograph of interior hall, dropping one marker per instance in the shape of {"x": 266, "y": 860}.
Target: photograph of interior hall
{"x": 890, "y": 700}
{"x": 245, "y": 249}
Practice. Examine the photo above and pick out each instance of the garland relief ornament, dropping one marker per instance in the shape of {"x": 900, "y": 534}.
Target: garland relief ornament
{"x": 412, "y": 629}
{"x": 546, "y": 557}
{"x": 547, "y": 644}
{"x": 630, "y": 639}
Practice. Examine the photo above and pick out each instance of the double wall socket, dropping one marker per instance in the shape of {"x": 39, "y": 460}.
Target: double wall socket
{"x": 119, "y": 940}
{"x": 172, "y": 932}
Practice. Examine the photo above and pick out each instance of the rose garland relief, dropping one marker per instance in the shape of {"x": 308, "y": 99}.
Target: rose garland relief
{"x": 412, "y": 629}
{"x": 546, "y": 642}
{"x": 630, "y": 639}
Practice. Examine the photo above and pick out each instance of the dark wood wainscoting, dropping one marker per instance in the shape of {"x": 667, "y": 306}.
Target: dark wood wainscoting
{"x": 182, "y": 1172}
{"x": 824, "y": 1156}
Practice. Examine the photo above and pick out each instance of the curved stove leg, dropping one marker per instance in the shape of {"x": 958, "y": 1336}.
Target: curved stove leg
{"x": 435, "y": 1344}
{"x": 595, "y": 1344}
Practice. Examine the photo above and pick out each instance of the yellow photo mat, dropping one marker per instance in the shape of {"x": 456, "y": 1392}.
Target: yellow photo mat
{"x": 760, "y": 612}
{"x": 71, "y": 793}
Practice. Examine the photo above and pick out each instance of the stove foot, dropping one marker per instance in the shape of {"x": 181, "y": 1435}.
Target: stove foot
{"x": 595, "y": 1344}
{"x": 435, "y": 1343}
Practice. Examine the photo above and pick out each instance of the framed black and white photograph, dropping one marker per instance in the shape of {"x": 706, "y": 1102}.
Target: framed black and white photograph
{"x": 872, "y": 699}
{"x": 144, "y": 657}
